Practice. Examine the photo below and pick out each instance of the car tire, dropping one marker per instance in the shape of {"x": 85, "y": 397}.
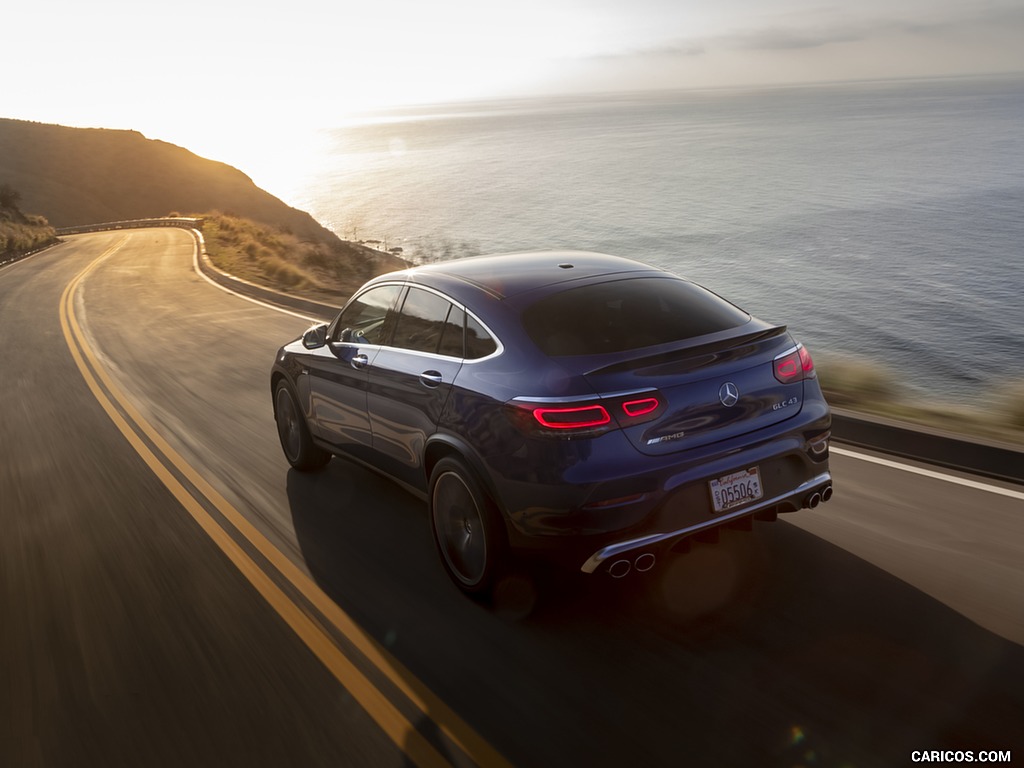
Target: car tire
{"x": 467, "y": 528}
{"x": 296, "y": 442}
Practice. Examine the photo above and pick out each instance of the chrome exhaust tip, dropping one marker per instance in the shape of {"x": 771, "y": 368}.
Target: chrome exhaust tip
{"x": 826, "y": 493}
{"x": 619, "y": 568}
{"x": 644, "y": 562}
{"x": 813, "y": 500}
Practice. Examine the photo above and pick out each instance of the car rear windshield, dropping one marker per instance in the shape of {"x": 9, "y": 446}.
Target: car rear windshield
{"x": 627, "y": 314}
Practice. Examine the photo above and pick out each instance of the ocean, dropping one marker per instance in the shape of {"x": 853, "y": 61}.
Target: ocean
{"x": 882, "y": 221}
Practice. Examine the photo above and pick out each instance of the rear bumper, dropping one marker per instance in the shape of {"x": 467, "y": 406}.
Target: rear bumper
{"x": 795, "y": 499}
{"x": 646, "y": 506}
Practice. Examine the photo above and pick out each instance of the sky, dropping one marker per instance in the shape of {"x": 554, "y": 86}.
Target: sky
{"x": 253, "y": 84}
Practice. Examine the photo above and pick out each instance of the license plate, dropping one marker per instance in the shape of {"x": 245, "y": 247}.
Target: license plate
{"x": 736, "y": 489}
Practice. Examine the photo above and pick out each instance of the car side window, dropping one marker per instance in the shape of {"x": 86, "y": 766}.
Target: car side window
{"x": 422, "y": 322}
{"x": 451, "y": 339}
{"x": 479, "y": 342}
{"x": 364, "y": 321}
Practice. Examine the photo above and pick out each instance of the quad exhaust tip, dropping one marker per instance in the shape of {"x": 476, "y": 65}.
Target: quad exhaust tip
{"x": 621, "y": 568}
{"x": 644, "y": 562}
{"x": 818, "y": 497}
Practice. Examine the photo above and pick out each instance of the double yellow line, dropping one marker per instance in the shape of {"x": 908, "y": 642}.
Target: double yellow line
{"x": 161, "y": 457}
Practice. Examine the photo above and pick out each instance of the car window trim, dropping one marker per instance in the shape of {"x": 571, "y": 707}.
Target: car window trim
{"x": 399, "y": 313}
{"x": 400, "y": 302}
{"x": 333, "y": 329}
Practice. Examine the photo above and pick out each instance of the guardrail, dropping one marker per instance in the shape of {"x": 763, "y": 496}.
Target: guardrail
{"x": 979, "y": 457}
{"x": 10, "y": 258}
{"x": 166, "y": 221}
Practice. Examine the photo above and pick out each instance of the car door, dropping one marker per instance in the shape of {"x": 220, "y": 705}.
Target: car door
{"x": 410, "y": 380}
{"x": 338, "y": 372}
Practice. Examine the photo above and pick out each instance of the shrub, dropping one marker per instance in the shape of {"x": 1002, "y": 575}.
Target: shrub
{"x": 283, "y": 272}
{"x": 315, "y": 256}
{"x": 21, "y": 236}
{"x": 277, "y": 258}
{"x": 1013, "y": 405}
{"x": 850, "y": 381}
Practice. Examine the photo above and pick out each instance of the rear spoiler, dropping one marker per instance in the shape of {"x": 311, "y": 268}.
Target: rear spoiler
{"x": 695, "y": 353}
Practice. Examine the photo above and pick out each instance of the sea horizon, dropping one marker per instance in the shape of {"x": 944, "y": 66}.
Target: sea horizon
{"x": 879, "y": 219}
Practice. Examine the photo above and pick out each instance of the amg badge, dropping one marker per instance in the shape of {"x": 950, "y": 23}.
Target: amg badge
{"x": 665, "y": 438}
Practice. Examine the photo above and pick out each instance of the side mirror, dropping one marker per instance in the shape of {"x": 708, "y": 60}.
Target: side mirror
{"x": 315, "y": 337}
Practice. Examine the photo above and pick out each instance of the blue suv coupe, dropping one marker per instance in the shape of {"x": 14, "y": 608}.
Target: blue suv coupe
{"x": 572, "y": 406}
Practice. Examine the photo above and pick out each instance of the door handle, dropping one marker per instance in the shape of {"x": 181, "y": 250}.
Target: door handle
{"x": 431, "y": 379}
{"x": 360, "y": 361}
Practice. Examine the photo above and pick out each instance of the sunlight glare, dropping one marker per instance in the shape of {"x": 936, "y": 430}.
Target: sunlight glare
{"x": 279, "y": 159}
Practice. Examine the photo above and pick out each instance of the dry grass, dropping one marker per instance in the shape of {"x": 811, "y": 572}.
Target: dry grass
{"x": 865, "y": 387}
{"x": 278, "y": 259}
{"x": 20, "y": 233}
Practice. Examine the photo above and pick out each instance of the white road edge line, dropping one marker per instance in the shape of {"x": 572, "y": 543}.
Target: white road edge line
{"x": 929, "y": 473}
{"x": 198, "y": 237}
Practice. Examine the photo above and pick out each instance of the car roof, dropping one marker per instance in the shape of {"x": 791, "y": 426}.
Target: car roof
{"x": 508, "y": 274}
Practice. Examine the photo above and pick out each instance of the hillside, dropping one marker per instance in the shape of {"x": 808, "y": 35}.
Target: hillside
{"x": 90, "y": 175}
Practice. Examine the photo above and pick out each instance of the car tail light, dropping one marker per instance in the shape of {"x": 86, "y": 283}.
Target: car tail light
{"x": 641, "y": 407}
{"x": 794, "y": 366}
{"x": 635, "y": 407}
{"x": 591, "y": 415}
{"x": 575, "y": 417}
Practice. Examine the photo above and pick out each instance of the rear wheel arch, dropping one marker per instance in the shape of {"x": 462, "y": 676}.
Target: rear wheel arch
{"x": 434, "y": 452}
{"x": 440, "y": 445}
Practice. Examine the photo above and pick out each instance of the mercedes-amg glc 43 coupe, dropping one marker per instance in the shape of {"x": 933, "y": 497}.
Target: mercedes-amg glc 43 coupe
{"x": 572, "y": 406}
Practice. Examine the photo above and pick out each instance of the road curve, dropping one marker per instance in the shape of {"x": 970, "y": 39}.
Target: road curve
{"x": 886, "y": 621}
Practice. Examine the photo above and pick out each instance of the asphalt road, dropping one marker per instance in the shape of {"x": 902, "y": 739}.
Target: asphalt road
{"x": 171, "y": 593}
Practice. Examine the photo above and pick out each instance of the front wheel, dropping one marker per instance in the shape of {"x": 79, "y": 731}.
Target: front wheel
{"x": 296, "y": 442}
{"x": 467, "y": 527}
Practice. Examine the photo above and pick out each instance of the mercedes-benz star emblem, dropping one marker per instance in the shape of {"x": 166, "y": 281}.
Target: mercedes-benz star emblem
{"x": 729, "y": 394}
